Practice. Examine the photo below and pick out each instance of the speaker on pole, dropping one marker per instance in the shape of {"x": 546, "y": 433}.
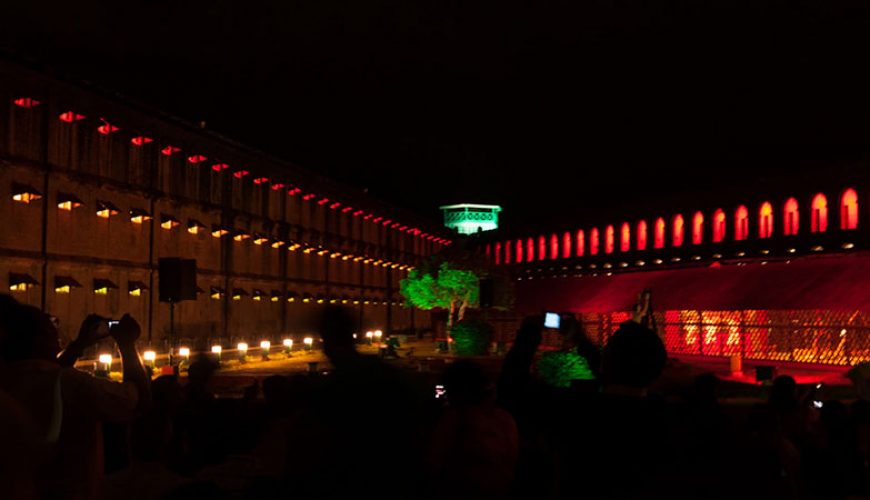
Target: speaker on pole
{"x": 177, "y": 279}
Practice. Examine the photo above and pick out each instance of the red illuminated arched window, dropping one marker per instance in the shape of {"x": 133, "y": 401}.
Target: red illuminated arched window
{"x": 741, "y": 223}
{"x": 497, "y": 253}
{"x": 593, "y": 241}
{"x": 765, "y": 220}
{"x": 659, "y": 236}
{"x": 641, "y": 235}
{"x": 849, "y": 209}
{"x": 542, "y": 247}
{"x": 698, "y": 228}
{"x": 581, "y": 243}
{"x": 625, "y": 237}
{"x": 790, "y": 217}
{"x": 609, "y": 236}
{"x": 678, "y": 230}
{"x": 530, "y": 250}
{"x": 554, "y": 247}
{"x": 566, "y": 245}
{"x": 507, "y": 251}
{"x": 718, "y": 225}
{"x": 819, "y": 215}
{"x": 518, "y": 258}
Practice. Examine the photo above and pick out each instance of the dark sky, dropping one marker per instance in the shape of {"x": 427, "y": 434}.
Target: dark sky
{"x": 540, "y": 105}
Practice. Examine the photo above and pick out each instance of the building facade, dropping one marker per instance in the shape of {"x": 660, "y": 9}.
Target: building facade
{"x": 95, "y": 190}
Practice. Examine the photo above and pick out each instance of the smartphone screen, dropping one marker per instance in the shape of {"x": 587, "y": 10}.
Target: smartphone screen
{"x": 113, "y": 323}
{"x": 440, "y": 392}
{"x": 551, "y": 320}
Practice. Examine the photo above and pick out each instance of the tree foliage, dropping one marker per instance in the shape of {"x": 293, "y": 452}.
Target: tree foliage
{"x": 431, "y": 287}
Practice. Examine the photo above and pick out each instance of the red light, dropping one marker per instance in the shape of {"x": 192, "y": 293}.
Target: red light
{"x": 849, "y": 209}
{"x": 387, "y": 222}
{"x": 377, "y": 219}
{"x": 219, "y": 167}
{"x": 238, "y": 174}
{"x": 196, "y": 159}
{"x": 107, "y": 128}
{"x": 394, "y": 226}
{"x": 368, "y": 216}
{"x": 346, "y": 210}
{"x": 169, "y": 150}
{"x": 309, "y": 196}
{"x": 358, "y": 213}
{"x": 323, "y": 201}
{"x": 677, "y": 230}
{"x": 277, "y": 186}
{"x": 70, "y": 117}
{"x": 294, "y": 191}
{"x": 141, "y": 140}
{"x": 26, "y": 102}
{"x": 261, "y": 180}
{"x": 335, "y": 205}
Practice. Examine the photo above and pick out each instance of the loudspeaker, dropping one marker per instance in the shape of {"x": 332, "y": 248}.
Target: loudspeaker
{"x": 764, "y": 373}
{"x": 486, "y": 292}
{"x": 177, "y": 279}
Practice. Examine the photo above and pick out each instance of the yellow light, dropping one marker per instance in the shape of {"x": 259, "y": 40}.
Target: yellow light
{"x": 307, "y": 250}
{"x": 322, "y": 252}
{"x": 344, "y": 301}
{"x": 357, "y": 259}
{"x": 62, "y": 289}
{"x": 378, "y": 334}
{"x": 242, "y": 347}
{"x": 848, "y": 246}
{"x": 136, "y": 292}
{"x": 216, "y": 296}
{"x": 370, "y": 334}
{"x": 65, "y": 205}
{"x": 260, "y": 240}
{"x": 291, "y": 299}
{"x": 102, "y": 291}
{"x": 306, "y": 300}
{"x": 346, "y": 257}
{"x": 106, "y": 360}
{"x": 308, "y": 341}
{"x": 265, "y": 345}
{"x": 241, "y": 237}
{"x": 277, "y": 244}
{"x": 149, "y": 355}
{"x": 104, "y": 213}
{"x": 184, "y": 352}
{"x": 217, "y": 233}
{"x": 237, "y": 297}
{"x": 18, "y": 287}
{"x": 276, "y": 298}
{"x": 137, "y": 219}
{"x": 169, "y": 224}
{"x": 194, "y": 229}
{"x": 216, "y": 349}
{"x": 817, "y": 248}
{"x": 22, "y": 197}
{"x": 320, "y": 301}
{"x": 257, "y": 298}
{"x": 288, "y": 343}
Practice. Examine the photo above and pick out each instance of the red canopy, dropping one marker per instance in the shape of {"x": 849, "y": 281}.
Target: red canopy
{"x": 839, "y": 282}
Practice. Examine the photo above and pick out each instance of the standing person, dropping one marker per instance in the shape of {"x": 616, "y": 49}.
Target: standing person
{"x": 66, "y": 405}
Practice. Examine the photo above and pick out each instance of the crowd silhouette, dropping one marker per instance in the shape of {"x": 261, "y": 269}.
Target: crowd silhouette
{"x": 369, "y": 429}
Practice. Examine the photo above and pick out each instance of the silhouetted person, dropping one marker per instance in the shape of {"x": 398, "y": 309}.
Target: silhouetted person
{"x": 474, "y": 446}
{"x": 65, "y": 405}
{"x": 361, "y": 437}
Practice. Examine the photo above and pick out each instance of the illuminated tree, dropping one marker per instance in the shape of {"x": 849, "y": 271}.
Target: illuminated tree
{"x": 445, "y": 287}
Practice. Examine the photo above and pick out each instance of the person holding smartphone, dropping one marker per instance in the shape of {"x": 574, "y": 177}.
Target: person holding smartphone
{"x": 68, "y": 406}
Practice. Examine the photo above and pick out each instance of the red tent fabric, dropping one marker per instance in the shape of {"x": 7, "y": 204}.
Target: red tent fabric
{"x": 840, "y": 282}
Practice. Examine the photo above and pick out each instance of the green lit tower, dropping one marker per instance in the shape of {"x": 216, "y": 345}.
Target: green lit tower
{"x": 469, "y": 218}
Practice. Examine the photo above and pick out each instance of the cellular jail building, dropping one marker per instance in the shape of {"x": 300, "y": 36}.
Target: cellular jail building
{"x": 94, "y": 190}
{"x": 775, "y": 272}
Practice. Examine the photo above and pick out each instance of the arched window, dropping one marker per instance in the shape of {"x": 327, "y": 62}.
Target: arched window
{"x": 698, "y": 228}
{"x": 554, "y": 247}
{"x": 593, "y": 241}
{"x": 530, "y": 250}
{"x": 625, "y": 237}
{"x": 507, "y": 251}
{"x": 659, "y": 237}
{"x": 608, "y": 238}
{"x": 677, "y": 230}
{"x": 641, "y": 235}
{"x": 849, "y": 209}
{"x": 790, "y": 217}
{"x": 741, "y": 223}
{"x": 765, "y": 220}
{"x": 718, "y": 225}
{"x": 819, "y": 215}
{"x": 566, "y": 245}
{"x": 488, "y": 250}
{"x": 519, "y": 253}
{"x": 497, "y": 253}
{"x": 542, "y": 247}
{"x": 581, "y": 243}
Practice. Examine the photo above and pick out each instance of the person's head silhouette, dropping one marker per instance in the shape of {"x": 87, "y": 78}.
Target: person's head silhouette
{"x": 634, "y": 357}
{"x": 25, "y": 332}
{"x": 336, "y": 330}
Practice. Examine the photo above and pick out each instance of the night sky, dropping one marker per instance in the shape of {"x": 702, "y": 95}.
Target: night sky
{"x": 545, "y": 107}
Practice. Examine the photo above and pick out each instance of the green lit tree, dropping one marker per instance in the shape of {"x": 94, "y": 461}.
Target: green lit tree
{"x": 442, "y": 286}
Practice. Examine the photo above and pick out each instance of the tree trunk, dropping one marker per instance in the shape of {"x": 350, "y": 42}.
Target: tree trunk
{"x": 450, "y": 316}
{"x": 462, "y": 306}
